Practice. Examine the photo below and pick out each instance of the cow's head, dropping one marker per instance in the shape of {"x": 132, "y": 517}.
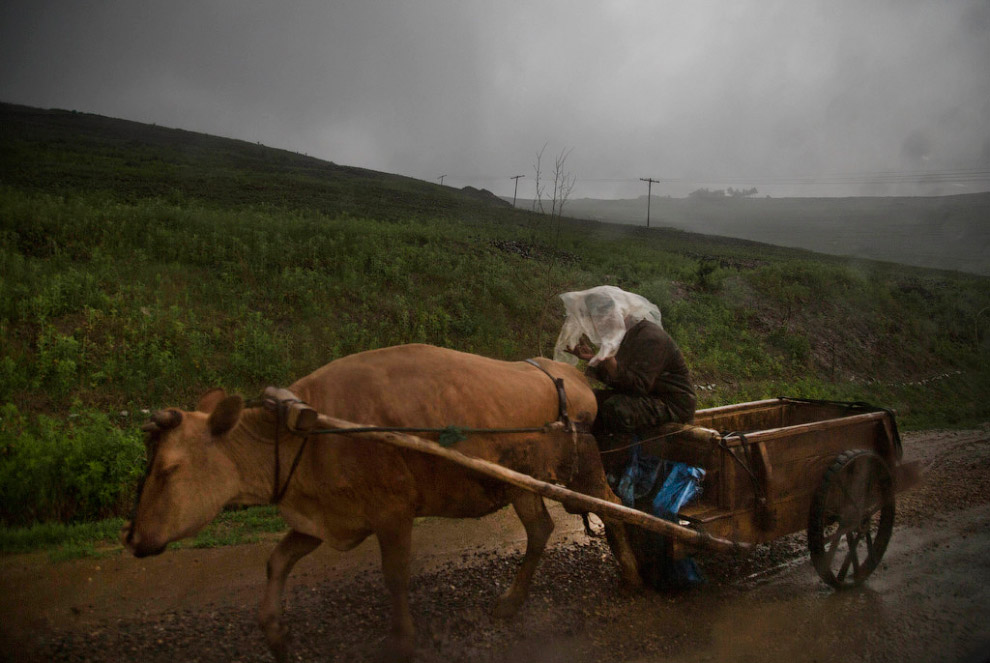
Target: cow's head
{"x": 190, "y": 475}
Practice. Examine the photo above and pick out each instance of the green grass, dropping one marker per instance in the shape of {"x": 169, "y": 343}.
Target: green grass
{"x": 72, "y": 537}
{"x": 98, "y": 538}
{"x": 140, "y": 267}
{"x": 237, "y": 526}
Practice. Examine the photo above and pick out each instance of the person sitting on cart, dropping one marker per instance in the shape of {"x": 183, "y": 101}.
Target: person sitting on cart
{"x": 647, "y": 380}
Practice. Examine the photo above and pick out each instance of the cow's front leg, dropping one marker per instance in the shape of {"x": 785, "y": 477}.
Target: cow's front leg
{"x": 293, "y": 547}
{"x": 539, "y": 526}
{"x": 395, "y": 543}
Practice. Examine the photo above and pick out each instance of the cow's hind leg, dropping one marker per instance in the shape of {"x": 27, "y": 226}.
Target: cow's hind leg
{"x": 533, "y": 514}
{"x": 293, "y": 547}
{"x": 617, "y": 535}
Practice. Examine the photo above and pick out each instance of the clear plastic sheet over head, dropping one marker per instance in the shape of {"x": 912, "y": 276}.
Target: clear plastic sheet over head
{"x": 600, "y": 313}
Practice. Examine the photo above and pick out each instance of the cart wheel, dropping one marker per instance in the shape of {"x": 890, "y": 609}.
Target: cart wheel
{"x": 852, "y": 515}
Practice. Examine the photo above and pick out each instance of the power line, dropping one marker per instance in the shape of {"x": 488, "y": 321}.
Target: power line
{"x": 968, "y": 179}
{"x": 953, "y": 175}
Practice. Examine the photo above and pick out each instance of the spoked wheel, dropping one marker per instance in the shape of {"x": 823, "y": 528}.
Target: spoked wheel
{"x": 852, "y": 515}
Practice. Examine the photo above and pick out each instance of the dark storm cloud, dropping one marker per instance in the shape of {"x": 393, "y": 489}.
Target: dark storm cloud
{"x": 744, "y": 93}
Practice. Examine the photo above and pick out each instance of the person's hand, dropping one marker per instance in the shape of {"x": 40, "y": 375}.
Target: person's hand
{"x": 609, "y": 367}
{"x": 582, "y": 351}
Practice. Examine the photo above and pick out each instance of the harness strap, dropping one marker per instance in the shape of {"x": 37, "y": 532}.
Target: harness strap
{"x": 278, "y": 492}
{"x": 561, "y": 395}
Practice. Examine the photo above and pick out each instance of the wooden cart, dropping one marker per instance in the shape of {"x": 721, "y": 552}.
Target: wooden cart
{"x": 775, "y": 467}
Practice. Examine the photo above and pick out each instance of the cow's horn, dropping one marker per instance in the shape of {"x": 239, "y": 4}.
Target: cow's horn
{"x": 166, "y": 419}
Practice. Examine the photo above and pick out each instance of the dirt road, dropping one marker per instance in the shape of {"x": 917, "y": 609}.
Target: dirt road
{"x": 929, "y": 601}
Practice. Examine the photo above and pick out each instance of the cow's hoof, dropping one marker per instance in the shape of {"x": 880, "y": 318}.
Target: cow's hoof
{"x": 397, "y": 650}
{"x": 277, "y": 636}
{"x": 632, "y": 582}
{"x": 632, "y": 586}
{"x": 280, "y": 652}
{"x": 507, "y": 606}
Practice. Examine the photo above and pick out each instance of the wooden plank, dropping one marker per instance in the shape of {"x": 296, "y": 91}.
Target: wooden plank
{"x": 740, "y": 525}
{"x": 700, "y": 512}
{"x": 748, "y": 416}
{"x": 800, "y": 477}
{"x": 714, "y": 412}
{"x": 788, "y": 444}
{"x": 832, "y": 425}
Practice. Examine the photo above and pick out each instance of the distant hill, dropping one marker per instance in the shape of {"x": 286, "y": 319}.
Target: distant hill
{"x": 948, "y": 232}
{"x": 57, "y": 150}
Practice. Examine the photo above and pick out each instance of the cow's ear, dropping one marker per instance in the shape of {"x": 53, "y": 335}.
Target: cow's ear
{"x": 225, "y": 415}
{"x": 209, "y": 401}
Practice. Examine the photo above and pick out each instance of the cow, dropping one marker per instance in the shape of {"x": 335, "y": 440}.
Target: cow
{"x": 346, "y": 487}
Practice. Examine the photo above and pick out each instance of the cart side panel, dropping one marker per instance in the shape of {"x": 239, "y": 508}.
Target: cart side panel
{"x": 797, "y": 460}
{"x": 742, "y": 527}
{"x": 827, "y": 437}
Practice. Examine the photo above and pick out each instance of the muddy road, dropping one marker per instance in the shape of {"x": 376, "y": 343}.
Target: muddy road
{"x": 929, "y": 600}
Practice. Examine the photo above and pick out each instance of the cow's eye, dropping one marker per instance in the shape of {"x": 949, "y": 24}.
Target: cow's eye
{"x": 168, "y": 470}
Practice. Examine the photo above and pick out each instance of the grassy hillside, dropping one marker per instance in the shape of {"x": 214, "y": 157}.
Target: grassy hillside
{"x": 140, "y": 266}
{"x": 947, "y": 232}
{"x": 66, "y": 152}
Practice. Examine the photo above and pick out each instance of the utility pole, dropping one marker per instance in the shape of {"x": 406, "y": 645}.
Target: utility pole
{"x": 441, "y": 179}
{"x": 649, "y": 196}
{"x": 516, "y": 188}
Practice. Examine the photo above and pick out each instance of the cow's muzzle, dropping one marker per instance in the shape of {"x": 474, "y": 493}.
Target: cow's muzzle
{"x": 137, "y": 546}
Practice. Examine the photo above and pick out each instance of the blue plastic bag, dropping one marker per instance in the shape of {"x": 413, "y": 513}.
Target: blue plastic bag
{"x": 638, "y": 478}
{"x": 679, "y": 485}
{"x": 682, "y": 483}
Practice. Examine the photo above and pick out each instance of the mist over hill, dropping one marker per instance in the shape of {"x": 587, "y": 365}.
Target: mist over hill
{"x": 944, "y": 232}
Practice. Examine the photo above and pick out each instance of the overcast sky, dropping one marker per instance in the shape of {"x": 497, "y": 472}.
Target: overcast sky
{"x": 794, "y": 98}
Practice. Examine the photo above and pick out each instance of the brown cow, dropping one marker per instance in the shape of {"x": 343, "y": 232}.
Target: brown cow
{"x": 347, "y": 487}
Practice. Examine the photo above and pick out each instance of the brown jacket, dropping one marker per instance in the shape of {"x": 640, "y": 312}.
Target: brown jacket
{"x": 649, "y": 363}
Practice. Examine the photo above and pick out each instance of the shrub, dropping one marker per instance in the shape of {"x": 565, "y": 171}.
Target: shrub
{"x": 81, "y": 469}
